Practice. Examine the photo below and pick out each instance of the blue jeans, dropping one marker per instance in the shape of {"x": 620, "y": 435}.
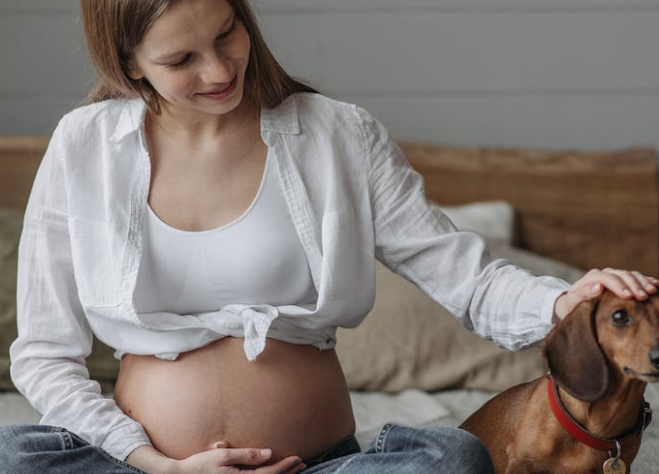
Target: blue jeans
{"x": 31, "y": 449}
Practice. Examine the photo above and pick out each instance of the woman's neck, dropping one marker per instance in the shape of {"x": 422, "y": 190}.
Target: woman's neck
{"x": 194, "y": 127}
{"x": 205, "y": 140}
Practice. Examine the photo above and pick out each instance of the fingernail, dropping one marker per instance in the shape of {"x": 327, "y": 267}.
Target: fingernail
{"x": 266, "y": 452}
{"x": 596, "y": 289}
{"x": 626, "y": 292}
{"x": 642, "y": 294}
{"x": 650, "y": 287}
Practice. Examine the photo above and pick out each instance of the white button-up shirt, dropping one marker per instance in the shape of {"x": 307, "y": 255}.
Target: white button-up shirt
{"x": 353, "y": 198}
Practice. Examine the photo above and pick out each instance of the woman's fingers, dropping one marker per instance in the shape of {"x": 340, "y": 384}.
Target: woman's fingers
{"x": 244, "y": 456}
{"x": 625, "y": 284}
{"x": 629, "y": 284}
{"x": 289, "y": 465}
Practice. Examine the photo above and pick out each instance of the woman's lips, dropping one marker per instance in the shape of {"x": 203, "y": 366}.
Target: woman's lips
{"x": 223, "y": 94}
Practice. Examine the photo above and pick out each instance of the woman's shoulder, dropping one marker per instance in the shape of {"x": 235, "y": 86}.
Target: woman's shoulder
{"x": 314, "y": 109}
{"x": 315, "y": 103}
{"x": 99, "y": 116}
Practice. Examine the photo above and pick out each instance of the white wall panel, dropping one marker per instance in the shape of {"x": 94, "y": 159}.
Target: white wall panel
{"x": 37, "y": 6}
{"x": 33, "y": 115}
{"x": 547, "y": 73}
{"x": 552, "y": 122}
{"x": 458, "y": 51}
{"x": 580, "y": 74}
{"x": 42, "y": 54}
{"x": 412, "y": 4}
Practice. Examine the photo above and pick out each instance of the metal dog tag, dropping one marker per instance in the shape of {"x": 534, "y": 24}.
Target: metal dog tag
{"x": 614, "y": 466}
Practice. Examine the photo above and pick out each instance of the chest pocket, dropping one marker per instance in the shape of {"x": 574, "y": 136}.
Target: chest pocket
{"x": 97, "y": 257}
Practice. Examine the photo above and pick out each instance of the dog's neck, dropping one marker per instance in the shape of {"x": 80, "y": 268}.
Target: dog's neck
{"x": 614, "y": 414}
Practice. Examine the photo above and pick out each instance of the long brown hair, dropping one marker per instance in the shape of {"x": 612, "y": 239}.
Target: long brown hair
{"x": 114, "y": 28}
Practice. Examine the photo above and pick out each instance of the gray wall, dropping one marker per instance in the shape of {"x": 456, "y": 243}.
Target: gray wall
{"x": 540, "y": 73}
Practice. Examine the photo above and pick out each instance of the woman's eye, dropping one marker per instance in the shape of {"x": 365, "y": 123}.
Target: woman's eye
{"x": 179, "y": 63}
{"x": 228, "y": 33}
{"x": 183, "y": 61}
{"x": 621, "y": 318}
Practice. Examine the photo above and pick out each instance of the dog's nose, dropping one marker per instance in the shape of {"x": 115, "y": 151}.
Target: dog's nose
{"x": 654, "y": 356}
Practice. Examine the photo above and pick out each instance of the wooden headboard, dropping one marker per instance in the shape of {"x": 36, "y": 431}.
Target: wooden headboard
{"x": 590, "y": 209}
{"x": 19, "y": 159}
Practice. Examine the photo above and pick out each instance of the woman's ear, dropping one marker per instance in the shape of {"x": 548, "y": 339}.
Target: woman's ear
{"x": 134, "y": 71}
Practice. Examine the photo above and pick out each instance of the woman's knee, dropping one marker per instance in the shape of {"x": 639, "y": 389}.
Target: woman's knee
{"x": 443, "y": 449}
{"x": 18, "y": 442}
{"x": 464, "y": 450}
{"x": 12, "y": 437}
{"x": 29, "y": 438}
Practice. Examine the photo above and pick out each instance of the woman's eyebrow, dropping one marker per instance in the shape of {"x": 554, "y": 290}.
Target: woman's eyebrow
{"x": 163, "y": 58}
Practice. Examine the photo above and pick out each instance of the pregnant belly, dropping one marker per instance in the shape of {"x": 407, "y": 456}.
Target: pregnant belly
{"x": 292, "y": 399}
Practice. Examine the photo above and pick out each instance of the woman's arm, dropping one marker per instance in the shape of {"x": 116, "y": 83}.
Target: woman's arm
{"x": 54, "y": 337}
{"x": 490, "y": 297}
{"x": 416, "y": 240}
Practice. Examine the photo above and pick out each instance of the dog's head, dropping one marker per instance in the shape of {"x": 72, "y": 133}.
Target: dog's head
{"x": 602, "y": 335}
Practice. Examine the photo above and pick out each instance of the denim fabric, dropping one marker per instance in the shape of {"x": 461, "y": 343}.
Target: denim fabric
{"x": 32, "y": 449}
{"x": 38, "y": 449}
{"x": 347, "y": 446}
{"x": 401, "y": 450}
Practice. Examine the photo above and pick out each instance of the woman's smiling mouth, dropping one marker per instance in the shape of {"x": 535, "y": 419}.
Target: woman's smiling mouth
{"x": 221, "y": 94}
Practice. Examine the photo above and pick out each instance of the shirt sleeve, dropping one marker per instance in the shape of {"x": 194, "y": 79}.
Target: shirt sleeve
{"x": 415, "y": 239}
{"x": 54, "y": 337}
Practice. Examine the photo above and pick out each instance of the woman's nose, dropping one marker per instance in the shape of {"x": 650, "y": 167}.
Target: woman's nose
{"x": 217, "y": 70}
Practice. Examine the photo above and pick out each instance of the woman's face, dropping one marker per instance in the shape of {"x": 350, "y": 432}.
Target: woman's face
{"x": 195, "y": 56}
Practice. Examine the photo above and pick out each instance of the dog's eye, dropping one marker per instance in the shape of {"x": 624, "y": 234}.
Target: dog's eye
{"x": 621, "y": 318}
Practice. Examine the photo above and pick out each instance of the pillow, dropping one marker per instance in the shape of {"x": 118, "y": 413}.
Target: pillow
{"x": 101, "y": 363}
{"x": 409, "y": 341}
{"x": 494, "y": 220}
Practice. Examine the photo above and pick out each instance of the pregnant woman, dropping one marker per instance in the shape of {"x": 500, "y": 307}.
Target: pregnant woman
{"x": 215, "y": 221}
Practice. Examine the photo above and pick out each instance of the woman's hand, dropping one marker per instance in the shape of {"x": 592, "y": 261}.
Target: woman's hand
{"x": 625, "y": 284}
{"x": 222, "y": 459}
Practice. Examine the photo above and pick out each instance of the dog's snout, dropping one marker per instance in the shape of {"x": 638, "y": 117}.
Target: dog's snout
{"x": 654, "y": 356}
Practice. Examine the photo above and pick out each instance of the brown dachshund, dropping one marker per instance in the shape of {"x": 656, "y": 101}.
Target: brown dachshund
{"x": 588, "y": 415}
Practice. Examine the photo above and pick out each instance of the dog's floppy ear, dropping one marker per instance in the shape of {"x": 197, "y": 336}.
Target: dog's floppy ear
{"x": 574, "y": 356}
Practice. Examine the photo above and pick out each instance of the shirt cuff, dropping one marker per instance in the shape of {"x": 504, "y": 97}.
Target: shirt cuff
{"x": 124, "y": 440}
{"x": 547, "y": 311}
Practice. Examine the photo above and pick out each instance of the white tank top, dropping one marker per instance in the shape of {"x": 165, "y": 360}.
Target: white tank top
{"x": 256, "y": 259}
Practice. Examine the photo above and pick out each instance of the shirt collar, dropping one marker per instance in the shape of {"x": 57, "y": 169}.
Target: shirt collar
{"x": 130, "y": 119}
{"x": 281, "y": 119}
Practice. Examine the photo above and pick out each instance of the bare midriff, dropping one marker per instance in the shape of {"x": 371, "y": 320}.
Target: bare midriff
{"x": 292, "y": 399}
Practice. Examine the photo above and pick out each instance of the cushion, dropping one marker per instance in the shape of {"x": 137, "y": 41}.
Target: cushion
{"x": 101, "y": 363}
{"x": 494, "y": 220}
{"x": 409, "y": 341}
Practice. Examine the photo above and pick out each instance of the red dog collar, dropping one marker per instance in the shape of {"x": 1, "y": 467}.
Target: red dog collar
{"x": 581, "y": 434}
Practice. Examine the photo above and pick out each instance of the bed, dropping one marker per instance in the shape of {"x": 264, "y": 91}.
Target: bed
{"x": 554, "y": 212}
